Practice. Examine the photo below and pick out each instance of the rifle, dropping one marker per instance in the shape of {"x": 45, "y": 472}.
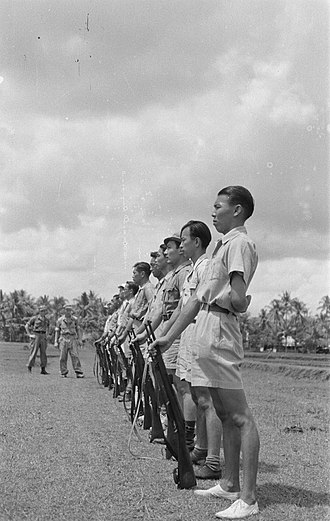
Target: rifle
{"x": 137, "y": 383}
{"x": 100, "y": 367}
{"x": 184, "y": 475}
{"x": 117, "y": 375}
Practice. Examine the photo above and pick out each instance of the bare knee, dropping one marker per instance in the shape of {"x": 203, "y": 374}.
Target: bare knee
{"x": 242, "y": 418}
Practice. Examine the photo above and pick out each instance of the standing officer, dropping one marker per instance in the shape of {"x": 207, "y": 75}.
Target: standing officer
{"x": 68, "y": 337}
{"x": 40, "y": 327}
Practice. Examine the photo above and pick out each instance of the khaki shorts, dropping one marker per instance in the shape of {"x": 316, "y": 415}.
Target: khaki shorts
{"x": 217, "y": 351}
{"x": 183, "y": 364}
{"x": 170, "y": 356}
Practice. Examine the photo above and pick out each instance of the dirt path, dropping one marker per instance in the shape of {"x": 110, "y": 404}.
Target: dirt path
{"x": 64, "y": 454}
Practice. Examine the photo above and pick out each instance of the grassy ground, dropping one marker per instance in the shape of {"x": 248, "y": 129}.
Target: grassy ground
{"x": 64, "y": 450}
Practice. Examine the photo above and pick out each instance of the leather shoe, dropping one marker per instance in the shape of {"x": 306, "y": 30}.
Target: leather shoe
{"x": 205, "y": 472}
{"x": 43, "y": 371}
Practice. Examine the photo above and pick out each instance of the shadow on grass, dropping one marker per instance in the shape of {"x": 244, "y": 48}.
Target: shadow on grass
{"x": 270, "y": 493}
{"x": 268, "y": 468}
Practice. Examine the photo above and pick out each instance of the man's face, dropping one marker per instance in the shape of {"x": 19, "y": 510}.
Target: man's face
{"x": 68, "y": 313}
{"x": 127, "y": 292}
{"x": 154, "y": 267}
{"x": 121, "y": 293}
{"x": 223, "y": 214}
{"x": 188, "y": 245}
{"x": 161, "y": 261}
{"x": 111, "y": 308}
{"x": 137, "y": 276}
{"x": 173, "y": 253}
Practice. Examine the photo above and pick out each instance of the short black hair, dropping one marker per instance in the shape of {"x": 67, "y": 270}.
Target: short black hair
{"x": 239, "y": 195}
{"x": 154, "y": 254}
{"x": 132, "y": 287}
{"x": 163, "y": 247}
{"x": 143, "y": 266}
{"x": 200, "y": 230}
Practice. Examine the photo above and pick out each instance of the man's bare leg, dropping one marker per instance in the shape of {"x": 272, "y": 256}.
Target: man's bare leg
{"x": 239, "y": 433}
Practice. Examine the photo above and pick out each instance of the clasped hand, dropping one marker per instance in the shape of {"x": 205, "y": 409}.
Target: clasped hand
{"x": 161, "y": 344}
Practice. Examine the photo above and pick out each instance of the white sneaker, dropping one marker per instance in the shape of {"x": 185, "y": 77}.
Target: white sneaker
{"x": 238, "y": 510}
{"x": 217, "y": 491}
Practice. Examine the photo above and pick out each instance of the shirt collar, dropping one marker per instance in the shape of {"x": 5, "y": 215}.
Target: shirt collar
{"x": 200, "y": 259}
{"x": 233, "y": 233}
{"x": 183, "y": 265}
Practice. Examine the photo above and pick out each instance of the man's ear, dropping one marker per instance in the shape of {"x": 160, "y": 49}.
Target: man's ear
{"x": 238, "y": 209}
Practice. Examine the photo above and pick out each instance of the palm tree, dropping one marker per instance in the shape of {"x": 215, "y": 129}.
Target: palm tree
{"x": 58, "y": 304}
{"x": 275, "y": 317}
{"x": 324, "y": 317}
{"x": 44, "y": 301}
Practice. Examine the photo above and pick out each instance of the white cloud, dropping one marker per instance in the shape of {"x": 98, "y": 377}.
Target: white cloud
{"x": 163, "y": 108}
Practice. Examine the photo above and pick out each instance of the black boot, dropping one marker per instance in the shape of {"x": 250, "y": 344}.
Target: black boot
{"x": 43, "y": 371}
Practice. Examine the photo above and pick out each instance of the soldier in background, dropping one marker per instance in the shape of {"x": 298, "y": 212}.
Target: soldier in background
{"x": 68, "y": 338}
{"x": 39, "y": 324}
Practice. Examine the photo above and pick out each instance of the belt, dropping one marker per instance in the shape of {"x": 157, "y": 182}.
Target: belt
{"x": 40, "y": 332}
{"x": 215, "y": 307}
{"x": 68, "y": 334}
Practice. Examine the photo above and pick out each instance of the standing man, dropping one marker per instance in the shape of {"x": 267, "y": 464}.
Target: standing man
{"x": 181, "y": 266}
{"x": 140, "y": 276}
{"x": 68, "y": 337}
{"x": 219, "y": 348}
{"x": 40, "y": 329}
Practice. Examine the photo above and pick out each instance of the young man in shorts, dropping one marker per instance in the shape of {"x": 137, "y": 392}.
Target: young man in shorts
{"x": 219, "y": 350}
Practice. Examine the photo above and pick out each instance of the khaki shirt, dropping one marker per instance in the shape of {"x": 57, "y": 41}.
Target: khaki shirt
{"x": 67, "y": 326}
{"x": 235, "y": 252}
{"x": 124, "y": 315}
{"x": 194, "y": 278}
{"x": 39, "y": 323}
{"x": 173, "y": 289}
{"x": 142, "y": 300}
{"x": 111, "y": 323}
{"x": 156, "y": 304}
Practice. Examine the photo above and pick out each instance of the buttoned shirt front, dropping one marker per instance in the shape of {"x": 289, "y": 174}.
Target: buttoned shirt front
{"x": 67, "y": 326}
{"x": 173, "y": 289}
{"x": 142, "y": 299}
{"x": 124, "y": 317}
{"x": 111, "y": 323}
{"x": 236, "y": 252}
{"x": 194, "y": 278}
{"x": 40, "y": 323}
{"x": 156, "y": 304}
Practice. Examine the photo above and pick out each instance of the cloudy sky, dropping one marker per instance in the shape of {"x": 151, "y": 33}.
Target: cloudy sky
{"x": 121, "y": 119}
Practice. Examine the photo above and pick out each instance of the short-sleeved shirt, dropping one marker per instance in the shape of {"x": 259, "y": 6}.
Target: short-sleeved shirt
{"x": 111, "y": 323}
{"x": 155, "y": 305}
{"x": 190, "y": 285}
{"x": 142, "y": 300}
{"x": 194, "y": 278}
{"x": 39, "y": 323}
{"x": 173, "y": 289}
{"x": 235, "y": 252}
{"x": 123, "y": 318}
{"x": 67, "y": 326}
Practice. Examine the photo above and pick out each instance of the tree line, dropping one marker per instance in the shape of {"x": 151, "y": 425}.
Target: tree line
{"x": 18, "y": 306}
{"x": 285, "y": 323}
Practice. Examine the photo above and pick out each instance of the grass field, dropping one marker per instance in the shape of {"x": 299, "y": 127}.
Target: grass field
{"x": 64, "y": 449}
